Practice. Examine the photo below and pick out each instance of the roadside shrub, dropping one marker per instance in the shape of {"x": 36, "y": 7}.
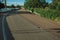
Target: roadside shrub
{"x": 48, "y": 13}
{"x": 58, "y": 6}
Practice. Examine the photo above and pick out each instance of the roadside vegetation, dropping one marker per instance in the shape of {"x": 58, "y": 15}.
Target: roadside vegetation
{"x": 13, "y": 6}
{"x": 9, "y": 6}
{"x": 2, "y": 5}
{"x": 47, "y": 10}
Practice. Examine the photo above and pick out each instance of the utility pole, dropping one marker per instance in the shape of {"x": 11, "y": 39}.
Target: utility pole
{"x": 5, "y": 3}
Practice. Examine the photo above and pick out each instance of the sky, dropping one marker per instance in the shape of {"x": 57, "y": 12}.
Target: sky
{"x": 15, "y": 2}
{"x": 19, "y": 2}
{"x": 48, "y": 1}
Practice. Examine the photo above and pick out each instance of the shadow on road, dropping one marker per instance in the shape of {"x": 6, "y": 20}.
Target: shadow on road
{"x": 18, "y": 12}
{"x": 56, "y": 29}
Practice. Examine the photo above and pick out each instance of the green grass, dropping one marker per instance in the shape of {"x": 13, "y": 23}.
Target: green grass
{"x": 48, "y": 13}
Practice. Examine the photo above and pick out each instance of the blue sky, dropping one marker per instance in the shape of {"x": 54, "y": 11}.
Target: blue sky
{"x": 20, "y": 2}
{"x": 15, "y": 2}
{"x": 48, "y": 1}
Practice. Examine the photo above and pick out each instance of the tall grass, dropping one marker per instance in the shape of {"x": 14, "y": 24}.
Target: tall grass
{"x": 48, "y": 13}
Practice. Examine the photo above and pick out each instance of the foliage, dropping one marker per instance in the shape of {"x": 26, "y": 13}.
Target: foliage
{"x": 12, "y": 6}
{"x": 58, "y": 6}
{"x": 18, "y": 6}
{"x": 2, "y": 5}
{"x": 35, "y": 3}
{"x": 47, "y": 10}
{"x": 52, "y": 6}
{"x": 48, "y": 13}
{"x": 55, "y": 4}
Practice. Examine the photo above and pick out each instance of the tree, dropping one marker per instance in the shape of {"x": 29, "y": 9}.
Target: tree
{"x": 55, "y": 4}
{"x": 43, "y": 3}
{"x": 35, "y": 3}
{"x": 58, "y": 6}
{"x": 28, "y": 3}
{"x": 12, "y": 6}
{"x": 18, "y": 6}
{"x": 55, "y": 1}
{"x": 2, "y": 5}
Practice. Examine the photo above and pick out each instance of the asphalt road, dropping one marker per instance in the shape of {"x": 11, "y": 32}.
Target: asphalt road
{"x": 1, "y": 33}
{"x": 18, "y": 28}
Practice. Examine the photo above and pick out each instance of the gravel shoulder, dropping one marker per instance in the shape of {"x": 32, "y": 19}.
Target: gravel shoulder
{"x": 43, "y": 23}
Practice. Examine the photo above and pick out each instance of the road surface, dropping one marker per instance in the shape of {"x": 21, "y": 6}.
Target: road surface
{"x": 19, "y": 28}
{"x": 1, "y": 33}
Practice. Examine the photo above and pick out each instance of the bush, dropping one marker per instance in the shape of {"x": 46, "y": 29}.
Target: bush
{"x": 58, "y": 6}
{"x": 48, "y": 13}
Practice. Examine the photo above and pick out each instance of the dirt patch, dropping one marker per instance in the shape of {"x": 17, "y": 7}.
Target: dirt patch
{"x": 46, "y": 24}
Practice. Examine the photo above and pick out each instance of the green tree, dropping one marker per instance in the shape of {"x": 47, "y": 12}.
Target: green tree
{"x": 35, "y": 3}
{"x": 12, "y": 6}
{"x": 2, "y": 5}
{"x": 43, "y": 3}
{"x": 18, "y": 6}
{"x": 55, "y": 4}
{"x": 58, "y": 6}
